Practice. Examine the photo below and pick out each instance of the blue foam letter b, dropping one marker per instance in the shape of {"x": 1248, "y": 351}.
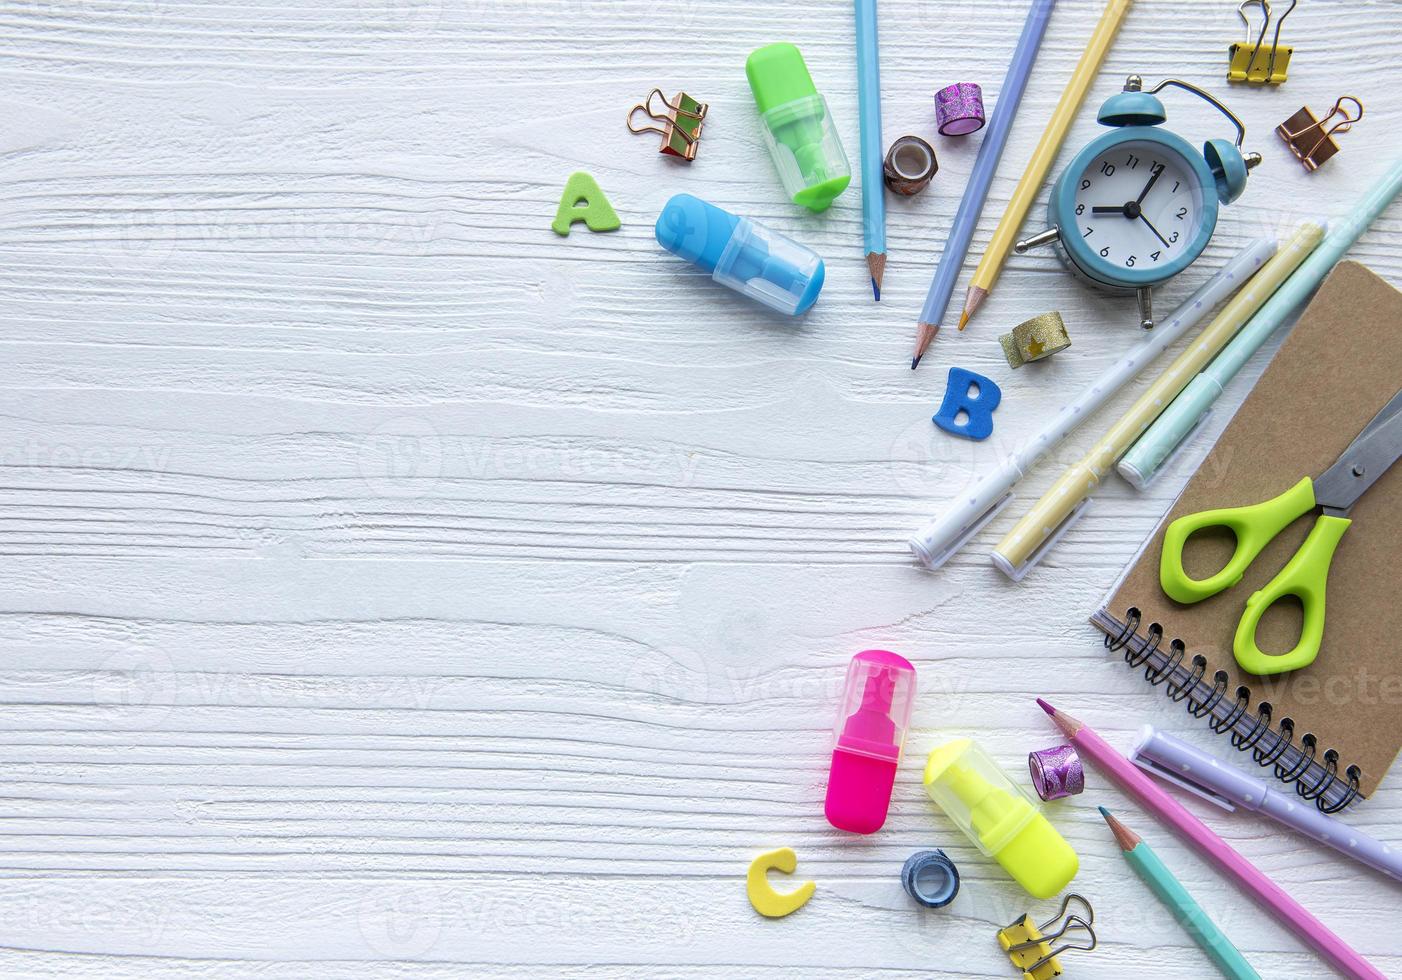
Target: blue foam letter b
{"x": 973, "y": 395}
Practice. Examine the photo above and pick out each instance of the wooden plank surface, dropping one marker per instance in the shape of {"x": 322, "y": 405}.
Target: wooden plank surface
{"x": 393, "y": 588}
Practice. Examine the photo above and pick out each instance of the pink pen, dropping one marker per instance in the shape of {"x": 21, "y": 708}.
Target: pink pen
{"x": 876, "y": 707}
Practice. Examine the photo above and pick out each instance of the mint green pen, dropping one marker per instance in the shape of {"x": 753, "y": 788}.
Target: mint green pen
{"x": 1161, "y": 440}
{"x": 1190, "y": 916}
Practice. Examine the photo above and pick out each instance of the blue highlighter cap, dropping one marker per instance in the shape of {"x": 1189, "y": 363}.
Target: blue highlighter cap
{"x": 695, "y": 230}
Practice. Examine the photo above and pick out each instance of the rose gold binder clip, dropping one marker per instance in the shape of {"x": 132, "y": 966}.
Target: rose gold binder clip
{"x": 1309, "y": 140}
{"x": 680, "y": 124}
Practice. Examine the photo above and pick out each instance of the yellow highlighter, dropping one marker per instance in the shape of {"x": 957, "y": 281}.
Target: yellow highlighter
{"x": 999, "y": 817}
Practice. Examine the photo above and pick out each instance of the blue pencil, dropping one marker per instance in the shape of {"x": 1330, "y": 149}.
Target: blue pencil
{"x": 869, "y": 107}
{"x": 1014, "y": 84}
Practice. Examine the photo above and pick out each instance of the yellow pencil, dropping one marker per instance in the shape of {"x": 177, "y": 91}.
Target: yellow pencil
{"x": 1052, "y": 137}
{"x": 1081, "y": 480}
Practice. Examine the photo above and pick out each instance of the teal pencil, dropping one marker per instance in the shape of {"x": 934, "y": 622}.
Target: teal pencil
{"x": 1190, "y": 916}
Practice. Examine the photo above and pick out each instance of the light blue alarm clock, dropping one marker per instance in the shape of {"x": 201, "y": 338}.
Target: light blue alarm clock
{"x": 1139, "y": 204}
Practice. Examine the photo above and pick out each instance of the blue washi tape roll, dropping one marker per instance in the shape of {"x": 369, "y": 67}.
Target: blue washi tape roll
{"x": 930, "y": 878}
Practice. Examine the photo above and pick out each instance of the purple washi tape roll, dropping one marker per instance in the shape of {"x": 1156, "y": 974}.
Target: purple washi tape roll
{"x": 1056, "y": 772}
{"x": 959, "y": 109}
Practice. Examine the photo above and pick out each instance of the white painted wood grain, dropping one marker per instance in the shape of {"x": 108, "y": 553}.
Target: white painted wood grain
{"x": 392, "y": 588}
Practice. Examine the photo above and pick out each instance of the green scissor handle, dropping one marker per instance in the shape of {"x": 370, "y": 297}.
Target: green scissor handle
{"x": 1304, "y": 577}
{"x": 1254, "y": 526}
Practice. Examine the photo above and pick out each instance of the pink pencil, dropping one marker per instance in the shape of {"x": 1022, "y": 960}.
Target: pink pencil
{"x": 1267, "y": 893}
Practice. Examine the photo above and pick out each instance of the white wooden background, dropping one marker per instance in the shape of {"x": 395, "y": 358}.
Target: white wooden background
{"x": 393, "y": 588}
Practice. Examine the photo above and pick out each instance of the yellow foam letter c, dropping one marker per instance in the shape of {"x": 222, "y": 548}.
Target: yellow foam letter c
{"x": 766, "y": 900}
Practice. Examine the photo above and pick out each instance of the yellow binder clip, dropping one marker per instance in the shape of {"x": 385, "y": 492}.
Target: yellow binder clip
{"x": 1250, "y": 62}
{"x": 679, "y": 124}
{"x": 1029, "y": 945}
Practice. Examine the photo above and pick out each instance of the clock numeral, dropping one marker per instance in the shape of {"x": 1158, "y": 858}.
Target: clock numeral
{"x": 1080, "y": 209}
{"x": 1157, "y": 168}
{"x": 1132, "y": 162}
{"x": 1105, "y": 251}
{"x": 1107, "y": 168}
{"x": 1130, "y": 261}
{"x": 1175, "y": 187}
{"x": 1155, "y": 255}
{"x": 1085, "y": 185}
{"x": 1088, "y": 231}
{"x": 1182, "y": 213}
{"x": 1173, "y": 237}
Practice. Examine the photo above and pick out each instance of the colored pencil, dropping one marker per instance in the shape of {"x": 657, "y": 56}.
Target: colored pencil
{"x": 1190, "y": 915}
{"x": 869, "y": 115}
{"x": 1157, "y": 444}
{"x": 1045, "y": 155}
{"x": 1266, "y": 893}
{"x": 938, "y": 540}
{"x": 1013, "y": 555}
{"x": 989, "y": 153}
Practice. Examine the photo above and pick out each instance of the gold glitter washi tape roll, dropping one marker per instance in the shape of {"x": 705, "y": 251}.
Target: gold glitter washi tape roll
{"x": 910, "y": 163}
{"x": 1035, "y": 339}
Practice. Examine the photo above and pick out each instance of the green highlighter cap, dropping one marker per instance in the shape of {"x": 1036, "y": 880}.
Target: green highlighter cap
{"x": 778, "y": 74}
{"x": 798, "y": 127}
{"x": 999, "y": 817}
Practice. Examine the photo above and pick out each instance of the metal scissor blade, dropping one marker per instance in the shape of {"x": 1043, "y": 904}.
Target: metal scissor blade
{"x": 1366, "y": 459}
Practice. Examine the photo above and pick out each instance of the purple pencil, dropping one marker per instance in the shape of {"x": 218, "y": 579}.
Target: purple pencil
{"x": 989, "y": 153}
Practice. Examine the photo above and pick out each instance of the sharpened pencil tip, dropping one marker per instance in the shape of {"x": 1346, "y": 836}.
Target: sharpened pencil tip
{"x": 914, "y": 361}
{"x": 876, "y": 265}
{"x": 972, "y": 301}
{"x": 1046, "y": 707}
{"x": 924, "y": 337}
{"x": 1126, "y": 838}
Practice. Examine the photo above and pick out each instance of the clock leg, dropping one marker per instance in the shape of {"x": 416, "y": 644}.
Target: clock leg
{"x": 1146, "y": 307}
{"x": 1038, "y": 240}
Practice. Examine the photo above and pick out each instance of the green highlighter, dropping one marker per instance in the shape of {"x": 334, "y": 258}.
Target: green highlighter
{"x": 798, "y": 127}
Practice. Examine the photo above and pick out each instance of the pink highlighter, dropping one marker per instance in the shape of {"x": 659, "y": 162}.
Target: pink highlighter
{"x": 876, "y": 707}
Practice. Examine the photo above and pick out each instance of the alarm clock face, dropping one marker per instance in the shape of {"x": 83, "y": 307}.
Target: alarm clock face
{"x": 1139, "y": 207}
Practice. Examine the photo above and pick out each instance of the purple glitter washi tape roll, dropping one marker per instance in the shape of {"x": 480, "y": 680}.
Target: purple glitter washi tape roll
{"x": 1056, "y": 772}
{"x": 959, "y": 109}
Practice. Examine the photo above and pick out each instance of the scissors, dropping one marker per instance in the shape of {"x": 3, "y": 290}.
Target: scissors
{"x": 1335, "y": 490}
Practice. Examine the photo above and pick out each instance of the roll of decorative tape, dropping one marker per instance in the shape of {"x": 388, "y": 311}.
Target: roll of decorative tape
{"x": 1035, "y": 339}
{"x": 959, "y": 109}
{"x": 910, "y": 163}
{"x": 930, "y": 878}
{"x": 1056, "y": 772}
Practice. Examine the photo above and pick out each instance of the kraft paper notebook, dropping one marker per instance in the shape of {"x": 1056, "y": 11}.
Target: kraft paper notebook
{"x": 1338, "y": 721}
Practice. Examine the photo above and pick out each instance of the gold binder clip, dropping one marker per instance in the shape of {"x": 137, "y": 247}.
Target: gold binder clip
{"x": 1029, "y": 946}
{"x": 1307, "y": 137}
{"x": 1247, "y": 62}
{"x": 680, "y": 124}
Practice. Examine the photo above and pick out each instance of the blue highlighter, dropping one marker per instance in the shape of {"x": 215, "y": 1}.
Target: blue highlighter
{"x": 741, "y": 254}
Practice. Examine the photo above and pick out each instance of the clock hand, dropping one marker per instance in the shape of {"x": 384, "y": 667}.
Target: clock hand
{"x": 1154, "y": 230}
{"x": 1117, "y": 209}
{"x": 1149, "y": 186}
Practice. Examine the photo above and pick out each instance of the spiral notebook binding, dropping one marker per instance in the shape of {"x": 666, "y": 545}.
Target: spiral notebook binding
{"x": 1315, "y": 777}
